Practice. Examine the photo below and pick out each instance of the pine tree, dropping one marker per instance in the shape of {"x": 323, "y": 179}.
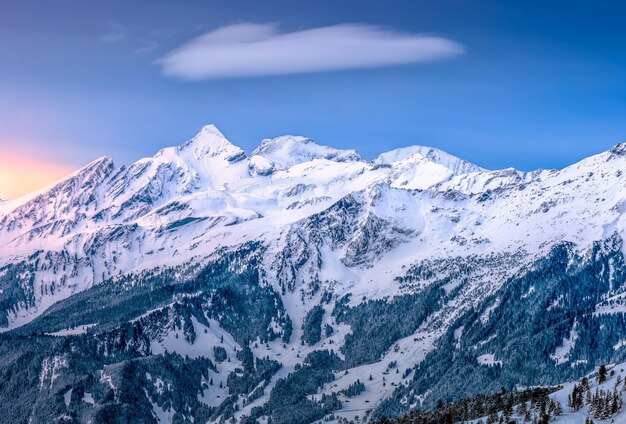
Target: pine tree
{"x": 527, "y": 416}
{"x": 615, "y": 403}
{"x": 521, "y": 409}
{"x": 602, "y": 374}
{"x": 575, "y": 399}
{"x": 507, "y": 411}
{"x": 584, "y": 383}
{"x": 492, "y": 418}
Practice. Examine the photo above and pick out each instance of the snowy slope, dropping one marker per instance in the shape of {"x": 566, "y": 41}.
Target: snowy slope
{"x": 284, "y": 152}
{"x": 188, "y": 200}
{"x": 115, "y": 217}
{"x": 328, "y": 221}
{"x": 578, "y": 416}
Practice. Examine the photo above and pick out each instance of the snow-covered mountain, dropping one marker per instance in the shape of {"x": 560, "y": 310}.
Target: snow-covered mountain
{"x": 282, "y": 153}
{"x": 330, "y": 267}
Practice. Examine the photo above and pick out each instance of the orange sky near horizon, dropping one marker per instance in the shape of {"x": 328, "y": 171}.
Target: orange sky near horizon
{"x": 21, "y": 175}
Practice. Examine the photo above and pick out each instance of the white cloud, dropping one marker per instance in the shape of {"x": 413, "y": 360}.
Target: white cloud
{"x": 246, "y": 50}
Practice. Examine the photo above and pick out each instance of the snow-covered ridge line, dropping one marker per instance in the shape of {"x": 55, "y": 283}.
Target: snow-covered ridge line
{"x": 394, "y": 264}
{"x": 283, "y": 152}
{"x": 406, "y": 205}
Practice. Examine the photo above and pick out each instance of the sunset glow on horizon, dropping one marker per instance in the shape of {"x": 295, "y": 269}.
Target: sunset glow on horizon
{"x": 20, "y": 175}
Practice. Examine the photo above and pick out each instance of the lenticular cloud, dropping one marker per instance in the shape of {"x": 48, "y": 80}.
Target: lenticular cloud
{"x": 246, "y": 50}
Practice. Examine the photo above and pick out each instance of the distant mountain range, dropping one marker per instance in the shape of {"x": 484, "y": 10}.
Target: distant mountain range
{"x": 302, "y": 283}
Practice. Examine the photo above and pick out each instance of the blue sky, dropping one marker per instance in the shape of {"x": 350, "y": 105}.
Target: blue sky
{"x": 531, "y": 83}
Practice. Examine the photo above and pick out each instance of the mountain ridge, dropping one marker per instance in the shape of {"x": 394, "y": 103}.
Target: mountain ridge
{"x": 322, "y": 267}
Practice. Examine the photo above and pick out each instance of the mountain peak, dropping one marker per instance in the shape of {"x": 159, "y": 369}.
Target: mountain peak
{"x": 101, "y": 161}
{"x": 618, "y": 150}
{"x": 211, "y": 128}
{"x": 208, "y": 143}
{"x": 269, "y": 145}
{"x": 98, "y": 167}
{"x": 289, "y": 150}
{"x": 81, "y": 182}
{"x": 453, "y": 163}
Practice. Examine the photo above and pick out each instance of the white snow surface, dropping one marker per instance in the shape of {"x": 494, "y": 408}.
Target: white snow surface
{"x": 286, "y": 151}
{"x": 562, "y": 352}
{"x": 188, "y": 201}
{"x": 182, "y": 205}
{"x": 81, "y": 329}
{"x": 488, "y": 359}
